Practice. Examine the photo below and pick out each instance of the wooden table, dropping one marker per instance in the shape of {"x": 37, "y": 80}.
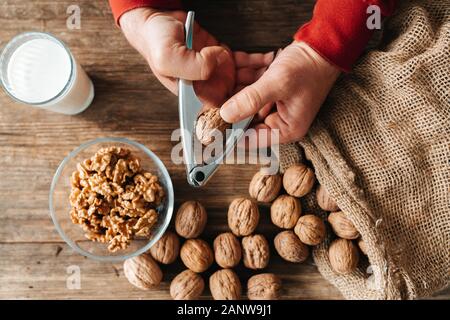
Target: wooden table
{"x": 130, "y": 103}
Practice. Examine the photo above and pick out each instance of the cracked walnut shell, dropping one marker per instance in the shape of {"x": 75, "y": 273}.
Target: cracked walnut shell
{"x": 225, "y": 285}
{"x": 264, "y": 286}
{"x": 166, "y": 249}
{"x": 209, "y": 125}
{"x": 298, "y": 180}
{"x": 342, "y": 226}
{"x": 343, "y": 256}
{"x": 243, "y": 216}
{"x": 196, "y": 255}
{"x": 187, "y": 285}
{"x": 190, "y": 220}
{"x": 324, "y": 200}
{"x": 285, "y": 211}
{"x": 290, "y": 248}
{"x": 142, "y": 272}
{"x": 310, "y": 229}
{"x": 265, "y": 187}
{"x": 227, "y": 250}
{"x": 256, "y": 252}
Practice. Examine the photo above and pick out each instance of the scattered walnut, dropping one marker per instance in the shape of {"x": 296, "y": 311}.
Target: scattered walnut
{"x": 142, "y": 271}
{"x": 343, "y": 256}
{"x": 324, "y": 200}
{"x": 187, "y": 285}
{"x": 113, "y": 199}
{"x": 225, "y": 285}
{"x": 227, "y": 250}
{"x": 285, "y": 211}
{"x": 191, "y": 219}
{"x": 310, "y": 229}
{"x": 166, "y": 249}
{"x": 264, "y": 286}
{"x": 243, "y": 216}
{"x": 290, "y": 248}
{"x": 362, "y": 246}
{"x": 256, "y": 251}
{"x": 209, "y": 125}
{"x": 298, "y": 180}
{"x": 265, "y": 187}
{"x": 197, "y": 255}
{"x": 342, "y": 226}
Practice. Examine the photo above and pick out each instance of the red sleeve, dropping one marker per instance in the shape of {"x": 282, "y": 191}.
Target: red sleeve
{"x": 338, "y": 29}
{"x": 119, "y": 7}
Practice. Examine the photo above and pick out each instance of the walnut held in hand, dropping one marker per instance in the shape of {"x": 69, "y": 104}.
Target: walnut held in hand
{"x": 190, "y": 220}
{"x": 197, "y": 255}
{"x": 343, "y": 256}
{"x": 342, "y": 226}
{"x": 298, "y": 180}
{"x": 285, "y": 211}
{"x": 290, "y": 248}
{"x": 256, "y": 251}
{"x": 324, "y": 200}
{"x": 264, "y": 286}
{"x": 310, "y": 229}
{"x": 142, "y": 272}
{"x": 227, "y": 250}
{"x": 265, "y": 187}
{"x": 209, "y": 125}
{"x": 187, "y": 285}
{"x": 243, "y": 216}
{"x": 225, "y": 285}
{"x": 166, "y": 249}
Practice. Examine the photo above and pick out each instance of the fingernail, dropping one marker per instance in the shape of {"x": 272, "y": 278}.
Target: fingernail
{"x": 228, "y": 111}
{"x": 222, "y": 57}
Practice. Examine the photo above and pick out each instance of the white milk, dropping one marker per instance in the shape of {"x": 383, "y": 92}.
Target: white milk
{"x": 42, "y": 72}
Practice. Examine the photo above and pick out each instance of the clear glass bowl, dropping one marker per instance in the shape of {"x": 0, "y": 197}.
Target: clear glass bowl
{"x": 60, "y": 206}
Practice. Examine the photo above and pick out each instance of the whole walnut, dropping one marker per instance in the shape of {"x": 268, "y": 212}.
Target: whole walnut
{"x": 166, "y": 249}
{"x": 324, "y": 200}
{"x": 187, "y": 285}
{"x": 343, "y": 256}
{"x": 227, "y": 250}
{"x": 264, "y": 286}
{"x": 265, "y": 187}
{"x": 196, "y": 255}
{"x": 142, "y": 272}
{"x": 362, "y": 246}
{"x": 298, "y": 180}
{"x": 285, "y": 211}
{"x": 290, "y": 248}
{"x": 209, "y": 125}
{"x": 342, "y": 226}
{"x": 310, "y": 229}
{"x": 225, "y": 285}
{"x": 256, "y": 251}
{"x": 243, "y": 216}
{"x": 190, "y": 219}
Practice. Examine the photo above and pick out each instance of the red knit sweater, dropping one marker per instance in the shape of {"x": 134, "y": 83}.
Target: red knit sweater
{"x": 338, "y": 30}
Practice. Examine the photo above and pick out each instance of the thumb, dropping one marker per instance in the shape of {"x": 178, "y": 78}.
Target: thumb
{"x": 249, "y": 100}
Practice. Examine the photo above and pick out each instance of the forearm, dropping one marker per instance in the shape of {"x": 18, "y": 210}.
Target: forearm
{"x": 119, "y": 7}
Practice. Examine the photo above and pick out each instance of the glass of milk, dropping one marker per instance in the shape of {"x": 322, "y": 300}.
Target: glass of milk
{"x": 39, "y": 70}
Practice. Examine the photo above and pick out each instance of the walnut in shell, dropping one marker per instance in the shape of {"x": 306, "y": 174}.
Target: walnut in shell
{"x": 225, "y": 285}
{"x": 298, "y": 180}
{"x": 255, "y": 251}
{"x": 324, "y": 200}
{"x": 285, "y": 211}
{"x": 342, "y": 226}
{"x": 197, "y": 255}
{"x": 343, "y": 256}
{"x": 209, "y": 125}
{"x": 243, "y": 216}
{"x": 227, "y": 250}
{"x": 310, "y": 229}
{"x": 265, "y": 187}
{"x": 187, "y": 285}
{"x": 142, "y": 272}
{"x": 264, "y": 286}
{"x": 166, "y": 249}
{"x": 290, "y": 248}
{"x": 190, "y": 219}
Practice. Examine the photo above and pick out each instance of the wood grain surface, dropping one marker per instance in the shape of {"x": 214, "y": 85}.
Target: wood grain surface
{"x": 129, "y": 102}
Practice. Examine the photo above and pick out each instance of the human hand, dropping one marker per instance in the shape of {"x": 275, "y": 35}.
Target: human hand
{"x": 296, "y": 83}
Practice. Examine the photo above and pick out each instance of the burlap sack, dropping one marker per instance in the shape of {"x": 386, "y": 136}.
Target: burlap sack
{"x": 381, "y": 146}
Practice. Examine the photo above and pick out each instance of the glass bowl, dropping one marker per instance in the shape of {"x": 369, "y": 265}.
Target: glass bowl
{"x": 60, "y": 207}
